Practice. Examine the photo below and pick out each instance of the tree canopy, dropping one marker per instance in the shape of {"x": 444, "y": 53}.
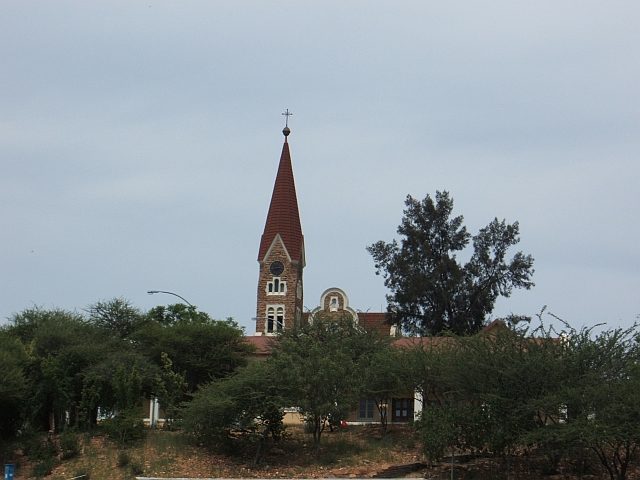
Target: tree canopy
{"x": 62, "y": 365}
{"x": 431, "y": 290}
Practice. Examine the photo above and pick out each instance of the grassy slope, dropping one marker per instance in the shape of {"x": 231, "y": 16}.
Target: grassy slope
{"x": 169, "y": 454}
{"x": 355, "y": 452}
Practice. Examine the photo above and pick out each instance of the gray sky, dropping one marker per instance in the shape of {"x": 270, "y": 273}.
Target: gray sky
{"x": 139, "y": 142}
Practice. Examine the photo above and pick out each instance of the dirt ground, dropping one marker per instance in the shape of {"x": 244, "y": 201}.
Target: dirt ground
{"x": 354, "y": 452}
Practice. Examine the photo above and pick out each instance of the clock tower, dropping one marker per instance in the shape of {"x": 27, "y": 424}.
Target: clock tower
{"x": 281, "y": 255}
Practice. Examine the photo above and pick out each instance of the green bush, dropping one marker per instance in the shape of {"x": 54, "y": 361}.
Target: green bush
{"x": 69, "y": 444}
{"x": 309, "y": 427}
{"x": 125, "y": 427}
{"x": 124, "y": 459}
{"x": 136, "y": 468}
{"x": 44, "y": 468}
{"x": 37, "y": 446}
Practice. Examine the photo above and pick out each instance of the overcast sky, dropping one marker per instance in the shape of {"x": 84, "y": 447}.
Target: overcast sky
{"x": 139, "y": 143}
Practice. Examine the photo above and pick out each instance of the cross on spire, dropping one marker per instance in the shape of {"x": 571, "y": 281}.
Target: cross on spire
{"x": 287, "y": 114}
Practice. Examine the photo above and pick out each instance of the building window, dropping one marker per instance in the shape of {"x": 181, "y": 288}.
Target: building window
{"x": 271, "y": 314}
{"x": 366, "y": 407}
{"x": 275, "y": 319}
{"x": 299, "y": 289}
{"x": 333, "y": 304}
{"x": 402, "y": 410}
{"x": 280, "y": 318}
{"x": 276, "y": 287}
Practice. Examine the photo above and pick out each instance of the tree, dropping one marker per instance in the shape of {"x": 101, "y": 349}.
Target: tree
{"x": 246, "y": 405}
{"x": 447, "y": 427}
{"x": 60, "y": 346}
{"x": 601, "y": 395}
{"x": 200, "y": 348}
{"x": 177, "y": 313}
{"x": 126, "y": 424}
{"x": 12, "y": 384}
{"x": 172, "y": 387}
{"x": 508, "y": 374}
{"x": 429, "y": 363}
{"x": 385, "y": 373}
{"x": 321, "y": 365}
{"x": 69, "y": 365}
{"x": 431, "y": 290}
{"x": 117, "y": 316}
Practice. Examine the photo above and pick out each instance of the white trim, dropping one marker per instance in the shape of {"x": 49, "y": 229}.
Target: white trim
{"x": 276, "y": 307}
{"x": 418, "y": 405}
{"x": 280, "y": 284}
{"x": 345, "y": 307}
{"x": 277, "y": 238}
{"x": 303, "y": 257}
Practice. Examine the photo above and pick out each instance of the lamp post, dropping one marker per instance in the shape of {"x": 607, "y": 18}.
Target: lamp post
{"x": 151, "y": 292}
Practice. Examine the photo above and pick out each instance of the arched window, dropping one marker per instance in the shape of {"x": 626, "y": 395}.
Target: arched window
{"x": 333, "y": 305}
{"x": 276, "y": 287}
{"x": 275, "y": 318}
{"x": 271, "y": 313}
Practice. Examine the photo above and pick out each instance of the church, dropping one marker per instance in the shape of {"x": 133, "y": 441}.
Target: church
{"x": 280, "y": 294}
{"x": 281, "y": 259}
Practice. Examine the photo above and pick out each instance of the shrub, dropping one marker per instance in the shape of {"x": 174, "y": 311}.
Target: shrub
{"x": 44, "y": 468}
{"x": 123, "y": 459}
{"x": 37, "y": 446}
{"x": 136, "y": 468}
{"x": 69, "y": 444}
{"x": 125, "y": 427}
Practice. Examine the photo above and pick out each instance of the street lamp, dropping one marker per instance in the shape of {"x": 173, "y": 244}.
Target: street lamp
{"x": 151, "y": 292}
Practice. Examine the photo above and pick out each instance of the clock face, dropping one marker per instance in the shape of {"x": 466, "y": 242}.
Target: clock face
{"x": 277, "y": 268}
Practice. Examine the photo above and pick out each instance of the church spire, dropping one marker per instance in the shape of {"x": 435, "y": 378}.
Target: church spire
{"x": 283, "y": 217}
{"x": 281, "y": 255}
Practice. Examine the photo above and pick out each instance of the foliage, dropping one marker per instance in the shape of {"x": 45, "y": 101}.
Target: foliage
{"x": 384, "y": 373}
{"x": 56, "y": 361}
{"x": 126, "y": 424}
{"x": 177, "y": 313}
{"x": 445, "y": 427}
{"x": 117, "y": 316}
{"x": 565, "y": 392}
{"x": 428, "y": 367}
{"x": 136, "y": 467}
{"x": 37, "y": 446}
{"x": 431, "y": 291}
{"x": 601, "y": 395}
{"x": 247, "y": 406}
{"x": 321, "y": 365}
{"x": 44, "y": 467}
{"x": 171, "y": 389}
{"x": 13, "y": 384}
{"x": 123, "y": 459}
{"x": 125, "y": 427}
{"x": 59, "y": 346}
{"x": 510, "y": 375}
{"x": 69, "y": 443}
{"x": 199, "y": 348}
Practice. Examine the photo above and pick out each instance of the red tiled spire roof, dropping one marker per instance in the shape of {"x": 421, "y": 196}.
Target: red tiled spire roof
{"x": 283, "y": 217}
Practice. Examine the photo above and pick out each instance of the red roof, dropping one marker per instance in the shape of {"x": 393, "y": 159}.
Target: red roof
{"x": 374, "y": 321}
{"x": 261, "y": 343}
{"x": 283, "y": 217}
